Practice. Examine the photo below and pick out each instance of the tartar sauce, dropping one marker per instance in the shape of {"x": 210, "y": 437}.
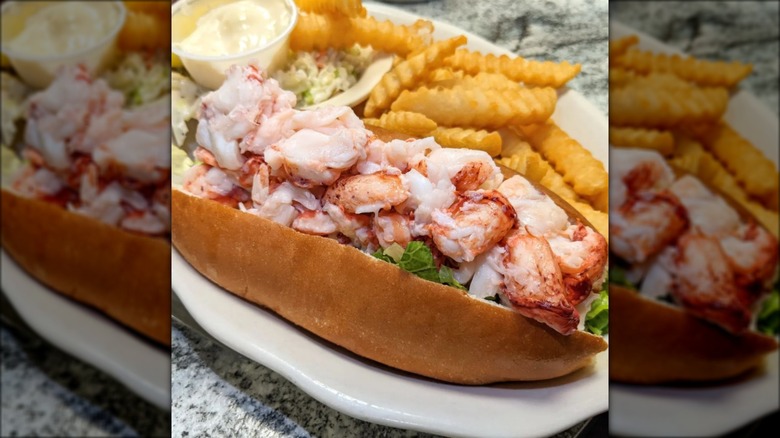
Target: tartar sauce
{"x": 65, "y": 28}
{"x": 237, "y": 27}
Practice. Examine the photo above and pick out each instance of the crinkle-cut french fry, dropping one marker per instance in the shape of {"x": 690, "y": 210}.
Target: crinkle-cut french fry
{"x": 319, "y": 32}
{"x": 533, "y": 166}
{"x": 600, "y": 202}
{"x": 687, "y": 153}
{"x": 482, "y": 140}
{"x": 488, "y": 109}
{"x": 409, "y": 72}
{"x": 706, "y": 73}
{"x": 349, "y": 8}
{"x": 443, "y": 74}
{"x": 661, "y": 141}
{"x": 619, "y": 46}
{"x": 577, "y": 165}
{"x": 484, "y": 81}
{"x": 663, "y": 80}
{"x": 512, "y": 143}
{"x": 414, "y": 124}
{"x": 532, "y": 73}
{"x": 648, "y": 106}
{"x": 619, "y": 77}
{"x": 751, "y": 168}
{"x": 144, "y": 31}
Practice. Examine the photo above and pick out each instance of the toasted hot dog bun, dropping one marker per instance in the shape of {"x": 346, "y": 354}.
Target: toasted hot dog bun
{"x": 124, "y": 275}
{"x": 655, "y": 343}
{"x": 368, "y": 306}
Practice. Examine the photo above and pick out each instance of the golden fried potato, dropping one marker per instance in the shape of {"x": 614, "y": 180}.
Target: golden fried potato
{"x": 349, "y": 8}
{"x": 644, "y": 105}
{"x": 619, "y": 77}
{"x": 705, "y": 73}
{"x": 619, "y": 46}
{"x": 751, "y": 168}
{"x": 482, "y": 140}
{"x": 414, "y": 124}
{"x": 661, "y": 141}
{"x": 484, "y": 109}
{"x": 687, "y": 153}
{"x": 532, "y": 73}
{"x": 443, "y": 74}
{"x": 175, "y": 61}
{"x": 320, "y": 32}
{"x": 484, "y": 81}
{"x": 600, "y": 202}
{"x": 579, "y": 168}
{"x": 512, "y": 143}
{"x": 143, "y": 31}
{"x": 409, "y": 72}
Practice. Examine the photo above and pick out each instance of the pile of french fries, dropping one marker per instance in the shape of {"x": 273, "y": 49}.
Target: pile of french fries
{"x": 675, "y": 105}
{"x": 464, "y": 99}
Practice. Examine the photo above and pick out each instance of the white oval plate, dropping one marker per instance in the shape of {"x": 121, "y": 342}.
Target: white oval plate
{"x": 375, "y": 393}
{"x": 89, "y": 335}
{"x": 666, "y": 411}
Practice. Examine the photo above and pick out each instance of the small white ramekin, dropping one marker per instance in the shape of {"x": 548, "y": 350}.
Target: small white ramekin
{"x": 39, "y": 71}
{"x": 209, "y": 71}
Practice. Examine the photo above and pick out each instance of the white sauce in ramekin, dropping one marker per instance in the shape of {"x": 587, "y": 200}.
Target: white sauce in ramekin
{"x": 237, "y": 27}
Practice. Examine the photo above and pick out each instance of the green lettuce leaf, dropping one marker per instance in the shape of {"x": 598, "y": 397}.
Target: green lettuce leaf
{"x": 597, "y": 318}
{"x": 447, "y": 277}
{"x": 417, "y": 259}
{"x": 769, "y": 317}
{"x": 617, "y": 275}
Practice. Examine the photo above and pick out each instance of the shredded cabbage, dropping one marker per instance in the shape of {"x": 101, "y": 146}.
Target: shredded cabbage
{"x": 142, "y": 80}
{"x": 315, "y": 77}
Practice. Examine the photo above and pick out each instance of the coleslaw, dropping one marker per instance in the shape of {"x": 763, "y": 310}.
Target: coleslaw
{"x": 315, "y": 77}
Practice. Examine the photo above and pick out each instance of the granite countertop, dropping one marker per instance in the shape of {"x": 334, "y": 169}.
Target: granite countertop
{"x": 218, "y": 391}
{"x": 46, "y": 392}
{"x": 738, "y": 31}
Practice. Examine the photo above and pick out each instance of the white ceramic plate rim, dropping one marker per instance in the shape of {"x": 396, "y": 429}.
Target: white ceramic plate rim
{"x": 377, "y": 394}
{"x": 666, "y": 411}
{"x": 86, "y": 334}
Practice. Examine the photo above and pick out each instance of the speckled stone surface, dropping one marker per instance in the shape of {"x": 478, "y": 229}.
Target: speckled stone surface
{"x": 740, "y": 31}
{"x": 218, "y": 392}
{"x": 46, "y": 392}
